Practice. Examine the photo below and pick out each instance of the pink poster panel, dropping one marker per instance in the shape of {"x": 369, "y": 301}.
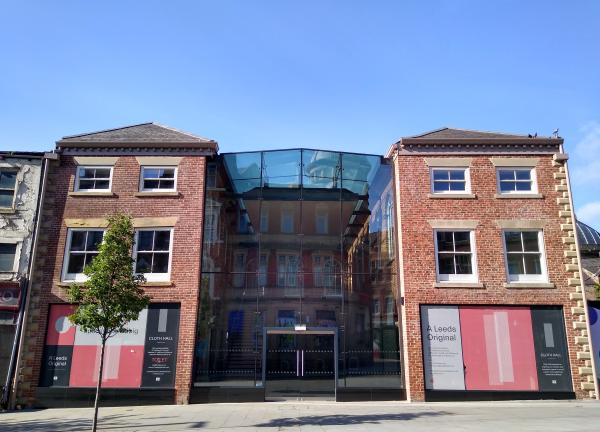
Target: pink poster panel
{"x": 498, "y": 349}
{"x": 60, "y": 331}
{"x": 123, "y": 357}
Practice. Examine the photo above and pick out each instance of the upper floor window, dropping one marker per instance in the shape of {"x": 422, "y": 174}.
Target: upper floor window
{"x": 158, "y": 179}
{"x": 516, "y": 180}
{"x": 287, "y": 271}
{"x": 81, "y": 248}
{"x": 93, "y": 179}
{"x": 8, "y": 181}
{"x": 7, "y": 257}
{"x": 525, "y": 256}
{"x": 455, "y": 256}
{"x": 239, "y": 267}
{"x": 287, "y": 221}
{"x": 264, "y": 220}
{"x": 390, "y": 307}
{"x": 262, "y": 269}
{"x": 211, "y": 175}
{"x": 322, "y": 221}
{"x": 152, "y": 253}
{"x": 450, "y": 180}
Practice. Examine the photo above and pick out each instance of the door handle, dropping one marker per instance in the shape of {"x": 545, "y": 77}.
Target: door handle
{"x": 297, "y": 363}
{"x": 302, "y": 362}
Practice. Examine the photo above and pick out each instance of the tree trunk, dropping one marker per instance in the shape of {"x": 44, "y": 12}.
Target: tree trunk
{"x": 99, "y": 386}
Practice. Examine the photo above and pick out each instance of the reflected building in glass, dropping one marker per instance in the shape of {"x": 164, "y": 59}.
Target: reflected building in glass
{"x": 299, "y": 287}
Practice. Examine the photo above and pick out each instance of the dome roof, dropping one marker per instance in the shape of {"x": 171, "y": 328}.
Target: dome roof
{"x": 589, "y": 238}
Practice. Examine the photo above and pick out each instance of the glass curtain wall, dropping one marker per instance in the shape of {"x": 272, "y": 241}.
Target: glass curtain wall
{"x": 298, "y": 237}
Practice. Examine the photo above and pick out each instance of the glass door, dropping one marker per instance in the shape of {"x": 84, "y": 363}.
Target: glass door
{"x": 317, "y": 368}
{"x": 282, "y": 367}
{"x": 299, "y": 365}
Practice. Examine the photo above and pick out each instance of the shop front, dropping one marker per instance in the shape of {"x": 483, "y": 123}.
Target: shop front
{"x": 495, "y": 352}
{"x": 140, "y": 363}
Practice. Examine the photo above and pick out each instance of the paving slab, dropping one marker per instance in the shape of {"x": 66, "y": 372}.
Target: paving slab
{"x": 546, "y": 416}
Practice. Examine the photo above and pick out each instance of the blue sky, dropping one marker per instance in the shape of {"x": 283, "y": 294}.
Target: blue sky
{"x": 352, "y": 75}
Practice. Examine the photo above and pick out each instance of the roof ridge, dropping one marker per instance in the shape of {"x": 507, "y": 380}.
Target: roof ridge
{"x": 107, "y": 130}
{"x": 428, "y": 132}
{"x": 180, "y": 131}
{"x": 486, "y": 131}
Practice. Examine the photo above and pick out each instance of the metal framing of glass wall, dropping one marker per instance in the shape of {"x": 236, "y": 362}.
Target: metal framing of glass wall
{"x": 298, "y": 237}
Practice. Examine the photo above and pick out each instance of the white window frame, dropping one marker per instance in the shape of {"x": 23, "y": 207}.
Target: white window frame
{"x": 75, "y": 277}
{"x": 15, "y": 170}
{"x": 16, "y": 260}
{"x": 533, "y": 175}
{"x": 389, "y": 310}
{"x": 154, "y": 277}
{"x": 525, "y": 278}
{"x": 290, "y": 289}
{"x": 145, "y": 167}
{"x": 466, "y": 278}
{"x": 78, "y": 178}
{"x": 467, "y": 171}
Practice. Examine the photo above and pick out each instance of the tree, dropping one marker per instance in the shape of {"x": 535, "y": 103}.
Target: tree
{"x": 111, "y": 296}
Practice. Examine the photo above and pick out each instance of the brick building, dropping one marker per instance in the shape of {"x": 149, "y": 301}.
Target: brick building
{"x": 447, "y": 269}
{"x": 492, "y": 215}
{"x": 156, "y": 174}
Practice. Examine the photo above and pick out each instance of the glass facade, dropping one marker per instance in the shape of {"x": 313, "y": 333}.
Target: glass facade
{"x": 298, "y": 237}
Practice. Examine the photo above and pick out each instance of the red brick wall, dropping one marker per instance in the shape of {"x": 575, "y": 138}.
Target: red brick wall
{"x": 415, "y": 208}
{"x": 185, "y": 267}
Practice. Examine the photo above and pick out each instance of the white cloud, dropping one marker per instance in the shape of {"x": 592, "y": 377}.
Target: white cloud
{"x": 585, "y": 167}
{"x": 590, "y": 214}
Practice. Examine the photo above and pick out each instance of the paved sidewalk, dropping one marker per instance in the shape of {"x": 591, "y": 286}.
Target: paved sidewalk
{"x": 543, "y": 416}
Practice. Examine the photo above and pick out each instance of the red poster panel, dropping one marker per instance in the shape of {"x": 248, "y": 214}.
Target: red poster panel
{"x": 498, "y": 349}
{"x": 123, "y": 357}
{"x": 122, "y": 366}
{"x": 60, "y": 330}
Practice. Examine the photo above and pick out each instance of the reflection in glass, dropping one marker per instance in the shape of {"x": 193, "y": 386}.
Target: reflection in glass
{"x": 299, "y": 237}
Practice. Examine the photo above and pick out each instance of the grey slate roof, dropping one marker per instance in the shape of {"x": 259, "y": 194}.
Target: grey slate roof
{"x": 591, "y": 270}
{"x": 455, "y": 133}
{"x": 146, "y": 134}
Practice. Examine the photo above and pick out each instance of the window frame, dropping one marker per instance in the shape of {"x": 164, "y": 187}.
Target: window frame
{"x": 321, "y": 216}
{"x": 16, "y": 171}
{"x": 454, "y": 278}
{"x": 287, "y": 212}
{"x": 532, "y": 174}
{"x": 290, "y": 290}
{"x": 75, "y": 277}
{"x": 525, "y": 278}
{"x": 465, "y": 169}
{"x": 15, "y": 263}
{"x": 142, "y": 187}
{"x": 77, "y": 188}
{"x": 154, "y": 277}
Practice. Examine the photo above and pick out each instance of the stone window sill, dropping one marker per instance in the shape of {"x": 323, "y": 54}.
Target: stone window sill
{"x": 6, "y": 210}
{"x": 157, "y": 284}
{"x": 93, "y": 194}
{"x": 452, "y": 196}
{"x": 529, "y": 285}
{"x": 157, "y": 194}
{"x": 474, "y": 285}
{"x": 66, "y": 284}
{"x": 519, "y": 196}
